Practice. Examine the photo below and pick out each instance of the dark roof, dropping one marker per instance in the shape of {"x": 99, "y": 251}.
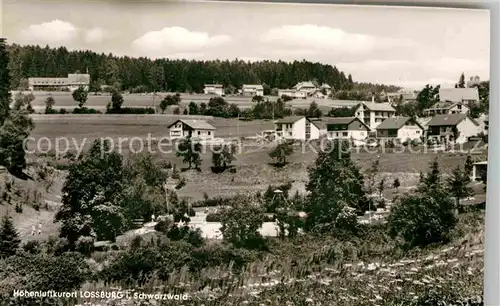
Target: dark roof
{"x": 289, "y": 120}
{"x": 458, "y": 94}
{"x": 195, "y": 124}
{"x": 339, "y": 120}
{"x": 445, "y": 105}
{"x": 394, "y": 123}
{"x": 342, "y": 120}
{"x": 447, "y": 120}
{"x": 318, "y": 123}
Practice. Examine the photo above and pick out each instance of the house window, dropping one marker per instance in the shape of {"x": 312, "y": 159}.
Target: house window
{"x": 344, "y": 134}
{"x": 209, "y": 133}
{"x": 418, "y": 132}
{"x": 199, "y": 133}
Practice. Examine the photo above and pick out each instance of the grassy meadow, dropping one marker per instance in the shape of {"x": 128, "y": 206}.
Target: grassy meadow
{"x": 65, "y": 100}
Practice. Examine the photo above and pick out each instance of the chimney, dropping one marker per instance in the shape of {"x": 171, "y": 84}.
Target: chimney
{"x": 373, "y": 98}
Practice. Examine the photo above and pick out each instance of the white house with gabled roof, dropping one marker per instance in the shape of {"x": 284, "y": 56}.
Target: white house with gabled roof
{"x": 252, "y": 90}
{"x": 214, "y": 89}
{"x": 195, "y": 128}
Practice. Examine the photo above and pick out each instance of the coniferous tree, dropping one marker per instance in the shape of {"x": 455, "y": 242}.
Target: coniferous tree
{"x": 9, "y": 238}
{"x": 5, "y": 97}
{"x": 335, "y": 183}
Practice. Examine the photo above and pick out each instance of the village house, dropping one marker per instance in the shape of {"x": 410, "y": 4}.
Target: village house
{"x": 462, "y": 95}
{"x": 372, "y": 114}
{"x": 195, "y": 128}
{"x": 445, "y": 108}
{"x": 252, "y": 90}
{"x": 299, "y": 128}
{"x": 304, "y": 89}
{"x": 452, "y": 127}
{"x": 70, "y": 83}
{"x": 346, "y": 128}
{"x": 401, "y": 128}
{"x": 404, "y": 94}
{"x": 214, "y": 89}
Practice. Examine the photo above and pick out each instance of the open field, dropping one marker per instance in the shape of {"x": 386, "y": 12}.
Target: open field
{"x": 252, "y": 162}
{"x": 65, "y": 100}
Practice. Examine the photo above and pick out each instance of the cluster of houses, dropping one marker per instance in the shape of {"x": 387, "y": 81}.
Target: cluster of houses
{"x": 447, "y": 121}
{"x": 300, "y": 91}
{"x": 305, "y": 90}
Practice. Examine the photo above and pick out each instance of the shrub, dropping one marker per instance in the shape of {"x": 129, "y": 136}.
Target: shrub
{"x": 423, "y": 218}
{"x": 85, "y": 110}
{"x": 182, "y": 183}
{"x": 131, "y": 111}
{"x": 32, "y": 247}
{"x": 240, "y": 225}
{"x": 186, "y": 234}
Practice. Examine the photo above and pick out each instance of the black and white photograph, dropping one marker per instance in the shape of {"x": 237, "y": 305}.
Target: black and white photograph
{"x": 242, "y": 153}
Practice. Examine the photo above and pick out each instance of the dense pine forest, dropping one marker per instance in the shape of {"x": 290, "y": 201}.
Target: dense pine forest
{"x": 144, "y": 74}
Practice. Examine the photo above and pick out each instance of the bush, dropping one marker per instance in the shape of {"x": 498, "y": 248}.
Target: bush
{"x": 85, "y": 110}
{"x": 186, "y": 234}
{"x": 32, "y": 247}
{"x": 131, "y": 111}
{"x": 423, "y": 218}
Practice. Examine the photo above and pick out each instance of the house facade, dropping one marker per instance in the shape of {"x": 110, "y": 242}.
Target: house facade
{"x": 299, "y": 128}
{"x": 445, "y": 108}
{"x": 463, "y": 95}
{"x": 401, "y": 128}
{"x": 197, "y": 129}
{"x": 70, "y": 83}
{"x": 214, "y": 89}
{"x": 349, "y": 128}
{"x": 453, "y": 127}
{"x": 252, "y": 90}
{"x": 372, "y": 114}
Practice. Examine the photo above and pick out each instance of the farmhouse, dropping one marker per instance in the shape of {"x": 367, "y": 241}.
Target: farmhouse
{"x": 401, "y": 128}
{"x": 444, "y": 108}
{"x": 70, "y": 83}
{"x": 299, "y": 128}
{"x": 214, "y": 89}
{"x": 456, "y": 127}
{"x": 463, "y": 95}
{"x": 304, "y": 89}
{"x": 346, "y": 128}
{"x": 191, "y": 128}
{"x": 252, "y": 90}
{"x": 372, "y": 114}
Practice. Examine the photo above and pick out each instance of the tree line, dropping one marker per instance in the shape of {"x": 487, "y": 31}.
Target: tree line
{"x": 147, "y": 75}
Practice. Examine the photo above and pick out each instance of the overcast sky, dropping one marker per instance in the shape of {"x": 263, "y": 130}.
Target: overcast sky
{"x": 409, "y": 47}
